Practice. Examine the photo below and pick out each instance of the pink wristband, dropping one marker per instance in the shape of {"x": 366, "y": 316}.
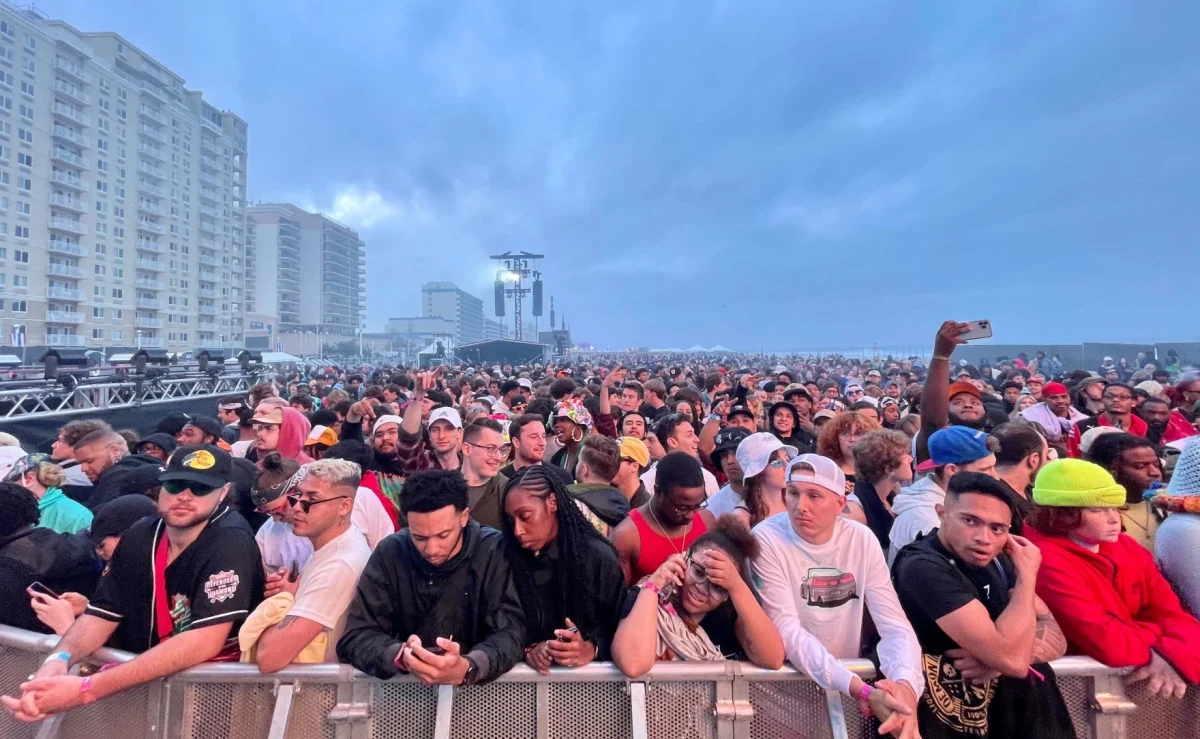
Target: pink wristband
{"x": 864, "y": 706}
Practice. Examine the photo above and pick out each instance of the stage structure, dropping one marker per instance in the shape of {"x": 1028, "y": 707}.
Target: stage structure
{"x": 512, "y": 271}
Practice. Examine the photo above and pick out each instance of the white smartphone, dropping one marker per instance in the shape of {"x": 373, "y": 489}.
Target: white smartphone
{"x": 979, "y": 330}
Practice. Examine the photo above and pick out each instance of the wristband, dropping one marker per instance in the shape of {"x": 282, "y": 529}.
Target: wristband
{"x": 649, "y": 585}
{"x": 64, "y": 656}
{"x": 864, "y": 704}
{"x": 944, "y": 359}
{"x": 399, "y": 661}
{"x": 86, "y": 695}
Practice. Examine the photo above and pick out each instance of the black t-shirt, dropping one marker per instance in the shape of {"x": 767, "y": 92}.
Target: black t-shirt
{"x": 217, "y": 579}
{"x": 931, "y": 582}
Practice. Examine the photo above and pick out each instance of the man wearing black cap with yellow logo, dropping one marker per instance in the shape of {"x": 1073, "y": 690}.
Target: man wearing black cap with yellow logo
{"x": 178, "y": 587}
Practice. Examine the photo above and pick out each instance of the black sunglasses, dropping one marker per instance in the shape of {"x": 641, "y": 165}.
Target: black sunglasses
{"x": 175, "y": 487}
{"x": 306, "y": 505}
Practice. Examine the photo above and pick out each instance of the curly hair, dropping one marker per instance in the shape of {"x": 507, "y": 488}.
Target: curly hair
{"x": 843, "y": 423}
{"x": 276, "y": 468}
{"x": 733, "y": 537}
{"x": 878, "y": 453}
{"x": 18, "y": 508}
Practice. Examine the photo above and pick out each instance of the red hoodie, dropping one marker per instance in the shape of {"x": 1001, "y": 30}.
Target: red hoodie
{"x": 1115, "y": 606}
{"x": 292, "y": 435}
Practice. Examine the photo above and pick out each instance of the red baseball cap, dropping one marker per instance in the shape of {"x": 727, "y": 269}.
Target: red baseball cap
{"x": 1054, "y": 388}
{"x": 966, "y": 387}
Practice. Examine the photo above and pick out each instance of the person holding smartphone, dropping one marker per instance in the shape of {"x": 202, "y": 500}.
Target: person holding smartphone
{"x": 177, "y": 588}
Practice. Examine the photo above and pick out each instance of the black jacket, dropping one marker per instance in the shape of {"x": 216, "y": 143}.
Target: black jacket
{"x": 608, "y": 503}
{"x": 132, "y": 474}
{"x": 470, "y": 598}
{"x": 61, "y": 562}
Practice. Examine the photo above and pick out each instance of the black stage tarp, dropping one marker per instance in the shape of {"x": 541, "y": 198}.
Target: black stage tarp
{"x": 38, "y": 431}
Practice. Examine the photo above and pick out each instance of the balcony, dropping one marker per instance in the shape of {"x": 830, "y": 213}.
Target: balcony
{"x": 207, "y": 326}
{"x": 62, "y": 316}
{"x": 149, "y": 303}
{"x": 68, "y": 180}
{"x": 65, "y": 201}
{"x": 207, "y": 176}
{"x": 151, "y": 265}
{"x": 69, "y": 134}
{"x": 208, "y": 243}
{"x": 209, "y": 261}
{"x": 146, "y": 187}
{"x": 209, "y": 145}
{"x": 210, "y": 212}
{"x": 145, "y": 206}
{"x": 73, "y": 70}
{"x": 148, "y": 112}
{"x": 64, "y": 270}
{"x": 151, "y": 169}
{"x": 71, "y": 114}
{"x": 68, "y": 156}
{"x": 152, "y": 227}
{"x": 153, "y": 91}
{"x": 208, "y": 227}
{"x": 71, "y": 92}
{"x": 209, "y": 194}
{"x": 207, "y": 310}
{"x": 67, "y": 224}
{"x": 151, "y": 342}
{"x": 210, "y": 124}
{"x": 61, "y": 246}
{"x": 152, "y": 151}
{"x": 147, "y": 284}
{"x": 148, "y": 322}
{"x": 64, "y": 293}
{"x": 64, "y": 340}
{"x": 211, "y": 162}
{"x": 206, "y": 293}
{"x": 151, "y": 132}
{"x": 152, "y": 246}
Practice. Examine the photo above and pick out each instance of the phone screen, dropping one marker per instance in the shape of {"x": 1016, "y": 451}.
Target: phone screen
{"x": 38, "y": 587}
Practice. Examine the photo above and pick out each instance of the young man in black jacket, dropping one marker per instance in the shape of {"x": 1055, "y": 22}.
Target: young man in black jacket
{"x": 436, "y": 599}
{"x": 105, "y": 459}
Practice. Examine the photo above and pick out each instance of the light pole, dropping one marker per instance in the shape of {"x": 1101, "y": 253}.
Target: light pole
{"x": 139, "y": 340}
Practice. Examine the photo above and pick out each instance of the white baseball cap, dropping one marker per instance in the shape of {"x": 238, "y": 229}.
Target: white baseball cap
{"x": 385, "y": 420}
{"x": 525, "y": 382}
{"x": 754, "y": 452}
{"x": 448, "y": 415}
{"x": 824, "y": 472}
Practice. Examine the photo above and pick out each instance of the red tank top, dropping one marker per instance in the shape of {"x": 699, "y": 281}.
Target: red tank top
{"x": 656, "y": 548}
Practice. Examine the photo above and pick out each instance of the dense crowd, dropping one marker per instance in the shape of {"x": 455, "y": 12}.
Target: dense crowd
{"x": 961, "y": 526}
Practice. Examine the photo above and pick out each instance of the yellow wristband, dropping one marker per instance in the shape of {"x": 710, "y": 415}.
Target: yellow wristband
{"x": 944, "y": 359}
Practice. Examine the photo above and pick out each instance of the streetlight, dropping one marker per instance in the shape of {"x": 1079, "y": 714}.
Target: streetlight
{"x": 139, "y": 340}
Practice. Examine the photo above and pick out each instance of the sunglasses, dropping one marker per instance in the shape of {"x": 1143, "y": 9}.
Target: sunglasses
{"x": 306, "y": 505}
{"x": 175, "y": 487}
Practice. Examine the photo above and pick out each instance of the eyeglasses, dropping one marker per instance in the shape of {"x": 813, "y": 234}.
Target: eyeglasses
{"x": 701, "y": 582}
{"x": 687, "y": 509}
{"x": 306, "y": 505}
{"x": 492, "y": 451}
{"x": 175, "y": 487}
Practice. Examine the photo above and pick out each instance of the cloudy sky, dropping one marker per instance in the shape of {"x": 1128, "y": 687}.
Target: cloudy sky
{"x": 789, "y": 174}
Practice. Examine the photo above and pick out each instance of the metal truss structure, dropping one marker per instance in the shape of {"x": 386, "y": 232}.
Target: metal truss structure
{"x": 55, "y": 397}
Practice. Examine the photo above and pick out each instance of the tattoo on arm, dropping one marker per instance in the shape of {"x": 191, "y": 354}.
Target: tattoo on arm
{"x": 1048, "y": 640}
{"x": 286, "y": 622}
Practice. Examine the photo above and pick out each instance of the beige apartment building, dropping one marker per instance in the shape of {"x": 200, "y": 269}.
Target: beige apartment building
{"x": 122, "y": 196}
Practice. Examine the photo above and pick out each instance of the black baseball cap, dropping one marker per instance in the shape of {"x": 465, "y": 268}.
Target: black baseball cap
{"x": 117, "y": 515}
{"x": 207, "y": 424}
{"x": 727, "y": 439}
{"x": 740, "y": 409}
{"x": 202, "y": 463}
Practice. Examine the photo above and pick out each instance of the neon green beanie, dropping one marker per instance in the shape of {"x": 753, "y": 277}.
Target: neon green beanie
{"x": 1074, "y": 483}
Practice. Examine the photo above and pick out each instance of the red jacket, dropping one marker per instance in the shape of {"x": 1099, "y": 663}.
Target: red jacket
{"x": 1178, "y": 427}
{"x": 1115, "y": 606}
{"x": 371, "y": 482}
{"x": 1137, "y": 427}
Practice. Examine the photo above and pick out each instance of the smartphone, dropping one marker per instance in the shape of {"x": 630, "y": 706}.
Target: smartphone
{"x": 572, "y": 630}
{"x": 978, "y": 330}
{"x": 38, "y": 587}
{"x": 435, "y": 649}
{"x": 294, "y": 572}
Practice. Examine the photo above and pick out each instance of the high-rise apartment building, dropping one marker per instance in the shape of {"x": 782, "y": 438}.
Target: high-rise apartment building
{"x": 122, "y": 196}
{"x": 446, "y": 300}
{"x": 309, "y": 273}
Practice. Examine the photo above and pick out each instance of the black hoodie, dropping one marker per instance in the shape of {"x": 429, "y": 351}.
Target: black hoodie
{"x": 61, "y": 562}
{"x": 804, "y": 440}
{"x": 609, "y": 504}
{"x": 131, "y": 474}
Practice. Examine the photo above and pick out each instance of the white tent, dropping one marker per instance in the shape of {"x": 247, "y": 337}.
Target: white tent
{"x": 696, "y": 348}
{"x": 719, "y": 348}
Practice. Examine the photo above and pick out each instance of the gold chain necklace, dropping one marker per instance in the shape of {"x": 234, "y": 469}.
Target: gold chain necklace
{"x": 663, "y": 529}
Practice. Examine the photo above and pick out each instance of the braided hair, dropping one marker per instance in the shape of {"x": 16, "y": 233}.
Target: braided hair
{"x": 574, "y": 538}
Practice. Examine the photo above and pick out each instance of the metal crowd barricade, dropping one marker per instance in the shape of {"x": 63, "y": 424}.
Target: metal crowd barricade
{"x": 676, "y": 700}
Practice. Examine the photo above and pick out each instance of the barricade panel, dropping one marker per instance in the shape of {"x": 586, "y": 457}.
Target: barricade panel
{"x": 403, "y": 710}
{"x": 124, "y": 715}
{"x": 16, "y": 665}
{"x": 1077, "y": 692}
{"x": 589, "y": 710}
{"x": 680, "y": 710}
{"x": 1163, "y": 718}
{"x": 498, "y": 710}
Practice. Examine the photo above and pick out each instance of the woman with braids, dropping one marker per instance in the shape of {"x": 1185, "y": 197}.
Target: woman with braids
{"x": 567, "y": 574}
{"x": 699, "y": 606}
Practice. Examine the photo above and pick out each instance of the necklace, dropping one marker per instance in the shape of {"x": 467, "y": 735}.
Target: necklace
{"x": 663, "y": 529}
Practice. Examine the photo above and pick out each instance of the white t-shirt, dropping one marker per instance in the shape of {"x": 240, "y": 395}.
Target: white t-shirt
{"x": 239, "y": 448}
{"x": 724, "y": 501}
{"x": 710, "y": 482}
{"x": 328, "y": 582}
{"x": 815, "y": 595}
{"x": 280, "y": 546}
